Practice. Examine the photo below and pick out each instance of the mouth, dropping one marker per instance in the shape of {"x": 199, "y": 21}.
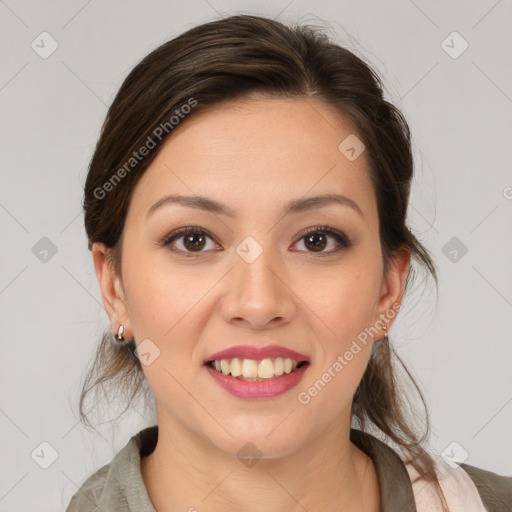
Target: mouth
{"x": 254, "y": 370}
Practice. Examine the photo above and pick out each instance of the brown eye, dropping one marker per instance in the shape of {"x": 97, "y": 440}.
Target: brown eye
{"x": 318, "y": 239}
{"x": 316, "y": 242}
{"x": 193, "y": 240}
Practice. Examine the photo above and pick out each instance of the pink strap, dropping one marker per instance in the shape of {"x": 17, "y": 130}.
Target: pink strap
{"x": 459, "y": 490}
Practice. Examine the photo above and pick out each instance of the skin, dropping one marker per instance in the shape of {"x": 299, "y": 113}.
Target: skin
{"x": 254, "y": 156}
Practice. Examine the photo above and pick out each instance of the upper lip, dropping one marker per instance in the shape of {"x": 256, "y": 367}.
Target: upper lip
{"x": 256, "y": 352}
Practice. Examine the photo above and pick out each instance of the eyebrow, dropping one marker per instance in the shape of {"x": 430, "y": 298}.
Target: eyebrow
{"x": 294, "y": 206}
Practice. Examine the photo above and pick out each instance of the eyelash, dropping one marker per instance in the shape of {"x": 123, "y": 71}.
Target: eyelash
{"x": 340, "y": 237}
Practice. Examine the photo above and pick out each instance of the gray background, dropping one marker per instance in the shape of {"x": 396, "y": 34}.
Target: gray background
{"x": 459, "y": 109}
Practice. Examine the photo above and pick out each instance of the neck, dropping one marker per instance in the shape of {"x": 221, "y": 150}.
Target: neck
{"x": 186, "y": 472}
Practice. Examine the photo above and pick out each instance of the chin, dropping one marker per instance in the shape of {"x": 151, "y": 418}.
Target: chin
{"x": 258, "y": 444}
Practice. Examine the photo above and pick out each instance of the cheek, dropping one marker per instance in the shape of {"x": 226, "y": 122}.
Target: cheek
{"x": 345, "y": 300}
{"x": 342, "y": 309}
{"x": 160, "y": 296}
{"x": 342, "y": 353}
{"x": 161, "y": 305}
{"x": 167, "y": 307}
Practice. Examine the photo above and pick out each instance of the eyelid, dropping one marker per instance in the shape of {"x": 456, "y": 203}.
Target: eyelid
{"x": 341, "y": 238}
{"x": 185, "y": 230}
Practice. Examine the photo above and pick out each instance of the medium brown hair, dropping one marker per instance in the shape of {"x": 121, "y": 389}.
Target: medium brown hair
{"x": 229, "y": 59}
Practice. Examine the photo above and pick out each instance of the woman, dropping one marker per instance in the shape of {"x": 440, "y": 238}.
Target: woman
{"x": 245, "y": 207}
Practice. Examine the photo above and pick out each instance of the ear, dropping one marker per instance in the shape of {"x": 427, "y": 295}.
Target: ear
{"x": 393, "y": 287}
{"x": 112, "y": 291}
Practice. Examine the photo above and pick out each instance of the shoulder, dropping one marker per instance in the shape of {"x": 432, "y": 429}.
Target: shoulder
{"x": 90, "y": 492}
{"x": 466, "y": 488}
{"x": 118, "y": 485}
{"x": 495, "y": 490}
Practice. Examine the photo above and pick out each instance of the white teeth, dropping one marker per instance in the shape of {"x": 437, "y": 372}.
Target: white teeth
{"x": 265, "y": 369}
{"x": 225, "y": 366}
{"x": 279, "y": 366}
{"x": 251, "y": 369}
{"x": 236, "y": 367}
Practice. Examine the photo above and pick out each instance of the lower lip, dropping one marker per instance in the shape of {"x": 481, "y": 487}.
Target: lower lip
{"x": 258, "y": 390}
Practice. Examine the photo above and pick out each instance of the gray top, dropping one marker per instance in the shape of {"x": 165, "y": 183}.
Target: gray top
{"x": 119, "y": 486}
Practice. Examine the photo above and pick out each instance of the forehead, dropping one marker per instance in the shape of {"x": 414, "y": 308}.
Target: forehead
{"x": 259, "y": 151}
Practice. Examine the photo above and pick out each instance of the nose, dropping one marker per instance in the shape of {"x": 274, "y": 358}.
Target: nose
{"x": 259, "y": 293}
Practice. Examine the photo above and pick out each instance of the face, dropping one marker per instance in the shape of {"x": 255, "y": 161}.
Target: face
{"x": 253, "y": 272}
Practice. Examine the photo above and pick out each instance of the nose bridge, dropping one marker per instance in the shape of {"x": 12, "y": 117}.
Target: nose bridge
{"x": 253, "y": 264}
{"x": 257, "y": 292}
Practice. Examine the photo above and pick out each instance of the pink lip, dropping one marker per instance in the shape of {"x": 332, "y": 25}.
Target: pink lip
{"x": 258, "y": 353}
{"x": 258, "y": 390}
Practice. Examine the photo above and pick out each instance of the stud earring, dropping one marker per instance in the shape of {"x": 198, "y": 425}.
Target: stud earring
{"x": 385, "y": 337}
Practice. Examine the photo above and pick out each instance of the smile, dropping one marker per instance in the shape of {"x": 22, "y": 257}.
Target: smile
{"x": 254, "y": 370}
{"x": 251, "y": 379}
